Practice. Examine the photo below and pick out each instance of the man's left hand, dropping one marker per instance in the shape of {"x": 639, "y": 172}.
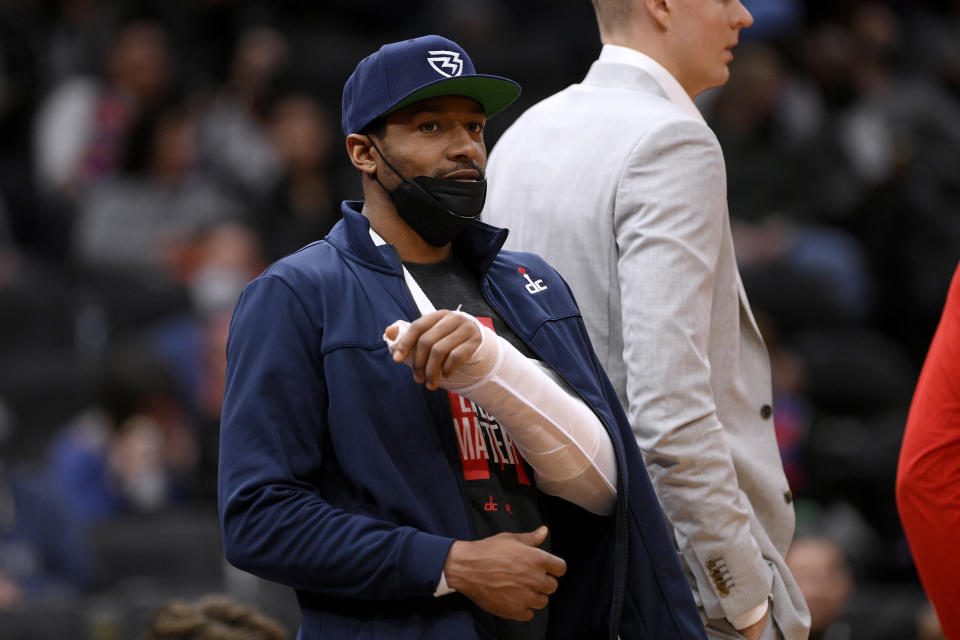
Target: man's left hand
{"x": 754, "y": 631}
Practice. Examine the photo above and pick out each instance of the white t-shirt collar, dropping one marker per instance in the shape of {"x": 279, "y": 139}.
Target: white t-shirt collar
{"x": 675, "y": 93}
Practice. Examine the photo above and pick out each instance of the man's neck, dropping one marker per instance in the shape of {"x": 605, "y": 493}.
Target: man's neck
{"x": 385, "y": 220}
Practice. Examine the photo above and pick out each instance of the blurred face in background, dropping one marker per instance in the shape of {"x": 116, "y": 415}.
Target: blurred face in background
{"x": 174, "y": 147}
{"x": 140, "y": 61}
{"x": 821, "y": 571}
{"x": 301, "y": 134}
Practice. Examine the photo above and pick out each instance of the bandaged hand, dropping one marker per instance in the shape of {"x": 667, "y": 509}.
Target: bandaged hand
{"x": 556, "y": 432}
{"x": 448, "y": 349}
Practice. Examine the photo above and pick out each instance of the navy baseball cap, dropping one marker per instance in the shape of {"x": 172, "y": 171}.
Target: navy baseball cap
{"x": 402, "y": 73}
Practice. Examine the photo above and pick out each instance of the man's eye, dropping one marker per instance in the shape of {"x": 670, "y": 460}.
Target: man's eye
{"x": 475, "y": 127}
{"x": 429, "y": 127}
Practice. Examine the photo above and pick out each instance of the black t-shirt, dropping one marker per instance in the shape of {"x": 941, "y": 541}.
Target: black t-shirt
{"x": 499, "y": 484}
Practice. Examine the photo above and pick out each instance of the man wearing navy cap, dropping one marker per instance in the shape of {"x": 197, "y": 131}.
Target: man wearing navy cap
{"x": 497, "y": 492}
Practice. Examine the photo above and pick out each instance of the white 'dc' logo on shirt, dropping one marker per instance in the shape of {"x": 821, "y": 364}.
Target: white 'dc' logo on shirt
{"x": 449, "y": 60}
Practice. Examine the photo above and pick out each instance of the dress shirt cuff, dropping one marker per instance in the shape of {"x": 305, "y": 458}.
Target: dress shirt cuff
{"x": 443, "y": 588}
{"x": 742, "y": 621}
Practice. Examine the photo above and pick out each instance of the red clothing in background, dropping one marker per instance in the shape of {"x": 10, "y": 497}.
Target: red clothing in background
{"x": 928, "y": 477}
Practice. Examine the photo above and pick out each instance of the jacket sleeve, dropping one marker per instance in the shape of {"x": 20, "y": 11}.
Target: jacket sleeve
{"x": 669, "y": 218}
{"x": 275, "y": 521}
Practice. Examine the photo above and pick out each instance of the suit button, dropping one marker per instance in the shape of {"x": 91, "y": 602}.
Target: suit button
{"x": 766, "y": 411}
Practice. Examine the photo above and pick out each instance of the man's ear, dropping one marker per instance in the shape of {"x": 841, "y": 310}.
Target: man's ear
{"x": 360, "y": 152}
{"x": 659, "y": 10}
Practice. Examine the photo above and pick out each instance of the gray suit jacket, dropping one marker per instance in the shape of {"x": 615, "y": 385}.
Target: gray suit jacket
{"x": 625, "y": 193}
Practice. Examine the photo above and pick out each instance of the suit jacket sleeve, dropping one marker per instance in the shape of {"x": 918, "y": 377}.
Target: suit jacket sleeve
{"x": 276, "y": 524}
{"x": 669, "y": 218}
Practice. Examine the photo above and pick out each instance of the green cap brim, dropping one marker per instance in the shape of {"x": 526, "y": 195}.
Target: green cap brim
{"x": 493, "y": 92}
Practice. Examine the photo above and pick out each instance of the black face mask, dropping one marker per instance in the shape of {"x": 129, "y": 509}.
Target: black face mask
{"x": 438, "y": 209}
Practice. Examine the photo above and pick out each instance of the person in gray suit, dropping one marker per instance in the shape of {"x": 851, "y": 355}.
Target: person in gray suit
{"x": 620, "y": 183}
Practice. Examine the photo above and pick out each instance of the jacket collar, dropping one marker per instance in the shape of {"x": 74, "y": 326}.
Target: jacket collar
{"x": 476, "y": 246}
{"x": 668, "y": 85}
{"x": 621, "y": 75}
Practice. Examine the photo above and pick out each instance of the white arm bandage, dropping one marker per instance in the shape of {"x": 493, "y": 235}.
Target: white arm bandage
{"x": 556, "y": 432}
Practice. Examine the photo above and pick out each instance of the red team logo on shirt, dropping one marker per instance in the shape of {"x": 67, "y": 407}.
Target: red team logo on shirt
{"x": 482, "y": 441}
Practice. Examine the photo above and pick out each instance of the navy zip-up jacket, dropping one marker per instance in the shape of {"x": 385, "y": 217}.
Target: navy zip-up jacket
{"x": 340, "y": 476}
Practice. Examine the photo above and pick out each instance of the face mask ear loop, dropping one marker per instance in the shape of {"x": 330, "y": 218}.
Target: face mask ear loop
{"x": 399, "y": 175}
{"x": 389, "y": 164}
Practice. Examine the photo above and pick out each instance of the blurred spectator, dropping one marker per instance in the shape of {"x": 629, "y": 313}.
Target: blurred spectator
{"x": 132, "y": 227}
{"x": 928, "y": 625}
{"x": 82, "y": 126}
{"x": 42, "y": 555}
{"x": 19, "y": 80}
{"x": 234, "y": 142}
{"x": 135, "y": 221}
{"x": 767, "y": 116}
{"x": 304, "y": 204}
{"x": 212, "y": 618}
{"x": 215, "y": 267}
{"x": 133, "y": 451}
{"x": 898, "y": 132}
{"x": 805, "y": 274}
{"x": 825, "y": 579}
{"x": 934, "y": 47}
{"x": 481, "y": 20}
{"x": 799, "y": 271}
{"x": 77, "y": 33}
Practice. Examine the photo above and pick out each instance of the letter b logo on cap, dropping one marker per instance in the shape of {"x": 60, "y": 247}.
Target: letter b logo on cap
{"x": 446, "y": 63}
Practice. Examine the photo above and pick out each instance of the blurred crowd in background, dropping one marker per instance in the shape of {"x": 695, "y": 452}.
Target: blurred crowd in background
{"x": 155, "y": 156}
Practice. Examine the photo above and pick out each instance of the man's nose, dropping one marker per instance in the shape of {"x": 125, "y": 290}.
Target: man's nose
{"x": 463, "y": 144}
{"x": 743, "y": 17}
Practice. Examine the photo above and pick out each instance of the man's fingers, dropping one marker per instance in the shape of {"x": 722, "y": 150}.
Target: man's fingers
{"x": 431, "y": 329}
{"x": 463, "y": 342}
{"x": 432, "y": 349}
{"x": 408, "y": 340}
{"x": 503, "y": 577}
{"x": 437, "y": 356}
{"x": 533, "y": 538}
{"x": 436, "y": 345}
{"x": 415, "y": 329}
{"x": 449, "y": 353}
{"x": 557, "y": 566}
{"x": 551, "y": 585}
{"x": 523, "y": 616}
